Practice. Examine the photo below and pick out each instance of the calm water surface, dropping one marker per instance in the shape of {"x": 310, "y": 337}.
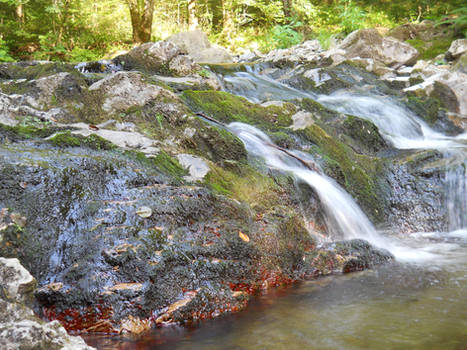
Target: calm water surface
{"x": 403, "y": 305}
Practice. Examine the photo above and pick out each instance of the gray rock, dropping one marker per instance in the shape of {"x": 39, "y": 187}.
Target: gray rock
{"x": 123, "y": 90}
{"x": 305, "y": 52}
{"x": 368, "y": 43}
{"x": 212, "y": 55}
{"x": 189, "y": 42}
{"x": 19, "y": 327}
{"x": 457, "y": 49}
{"x": 17, "y": 283}
{"x": 197, "y": 167}
{"x": 196, "y": 44}
{"x": 192, "y": 82}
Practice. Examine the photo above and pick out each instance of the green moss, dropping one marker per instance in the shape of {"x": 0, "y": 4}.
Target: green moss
{"x": 17, "y": 71}
{"x": 356, "y": 173}
{"x": 168, "y": 165}
{"x": 93, "y": 141}
{"x": 228, "y": 108}
{"x": 431, "y": 49}
{"x": 365, "y": 133}
{"x": 250, "y": 186}
{"x": 426, "y": 108}
{"x": 23, "y": 132}
{"x": 65, "y": 139}
{"x": 283, "y": 139}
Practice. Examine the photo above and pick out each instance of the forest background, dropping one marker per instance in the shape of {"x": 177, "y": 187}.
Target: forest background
{"x": 84, "y": 30}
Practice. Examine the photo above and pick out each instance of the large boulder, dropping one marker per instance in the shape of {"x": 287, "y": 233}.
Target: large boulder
{"x": 123, "y": 90}
{"x": 162, "y": 57}
{"x": 196, "y": 44}
{"x": 368, "y": 43}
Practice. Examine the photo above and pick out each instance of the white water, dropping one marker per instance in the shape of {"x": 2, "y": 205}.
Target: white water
{"x": 398, "y": 125}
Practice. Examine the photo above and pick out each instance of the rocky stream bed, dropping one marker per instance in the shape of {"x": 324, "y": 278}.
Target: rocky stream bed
{"x": 123, "y": 209}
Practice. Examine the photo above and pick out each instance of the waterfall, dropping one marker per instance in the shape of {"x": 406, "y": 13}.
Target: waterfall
{"x": 399, "y": 126}
{"x": 456, "y": 191}
{"x": 344, "y": 218}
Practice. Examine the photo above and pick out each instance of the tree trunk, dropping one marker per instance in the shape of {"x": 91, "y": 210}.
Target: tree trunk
{"x": 141, "y": 14}
{"x": 192, "y": 18}
{"x": 217, "y": 9}
{"x": 20, "y": 13}
{"x": 287, "y": 8}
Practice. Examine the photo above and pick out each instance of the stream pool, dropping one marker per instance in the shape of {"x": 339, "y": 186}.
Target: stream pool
{"x": 402, "y": 305}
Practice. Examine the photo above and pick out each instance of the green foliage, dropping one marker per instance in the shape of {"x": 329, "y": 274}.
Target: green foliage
{"x": 351, "y": 17}
{"x": 4, "y": 55}
{"x": 459, "y": 19}
{"x": 284, "y": 36}
{"x": 83, "y": 30}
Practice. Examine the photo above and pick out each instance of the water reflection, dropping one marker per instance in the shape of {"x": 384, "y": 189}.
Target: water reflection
{"x": 397, "y": 306}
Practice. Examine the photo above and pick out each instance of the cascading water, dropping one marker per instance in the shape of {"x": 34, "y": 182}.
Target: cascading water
{"x": 344, "y": 218}
{"x": 399, "y": 126}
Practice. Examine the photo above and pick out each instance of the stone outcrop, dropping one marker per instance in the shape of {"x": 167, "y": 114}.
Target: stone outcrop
{"x": 368, "y": 43}
{"x": 156, "y": 58}
{"x": 196, "y": 44}
{"x": 457, "y": 49}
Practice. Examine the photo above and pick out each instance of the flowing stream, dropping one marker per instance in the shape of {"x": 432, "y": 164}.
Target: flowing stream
{"x": 417, "y": 302}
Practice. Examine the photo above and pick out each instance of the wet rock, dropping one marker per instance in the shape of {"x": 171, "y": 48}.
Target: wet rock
{"x": 416, "y": 202}
{"x": 360, "y": 255}
{"x": 101, "y": 66}
{"x": 196, "y": 44}
{"x": 368, "y": 43}
{"x": 457, "y": 49}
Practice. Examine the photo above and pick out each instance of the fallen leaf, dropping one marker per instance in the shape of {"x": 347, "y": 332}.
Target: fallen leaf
{"x": 144, "y": 212}
{"x": 243, "y": 236}
{"x": 93, "y": 127}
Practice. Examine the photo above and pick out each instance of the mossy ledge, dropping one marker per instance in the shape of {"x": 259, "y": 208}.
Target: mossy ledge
{"x": 358, "y": 174}
{"x": 229, "y": 108}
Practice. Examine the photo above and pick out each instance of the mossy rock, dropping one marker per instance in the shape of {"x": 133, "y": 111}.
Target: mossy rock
{"x": 25, "y": 132}
{"x": 228, "y": 108}
{"x": 365, "y": 136}
{"x": 358, "y": 174}
{"x": 214, "y": 143}
{"x": 360, "y": 134}
{"x": 22, "y": 70}
{"x": 431, "y": 49}
{"x": 250, "y": 186}
{"x": 93, "y": 141}
{"x": 163, "y": 162}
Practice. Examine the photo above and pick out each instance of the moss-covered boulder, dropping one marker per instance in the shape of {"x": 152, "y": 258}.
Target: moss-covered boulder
{"x": 228, "y": 108}
{"x": 358, "y": 174}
